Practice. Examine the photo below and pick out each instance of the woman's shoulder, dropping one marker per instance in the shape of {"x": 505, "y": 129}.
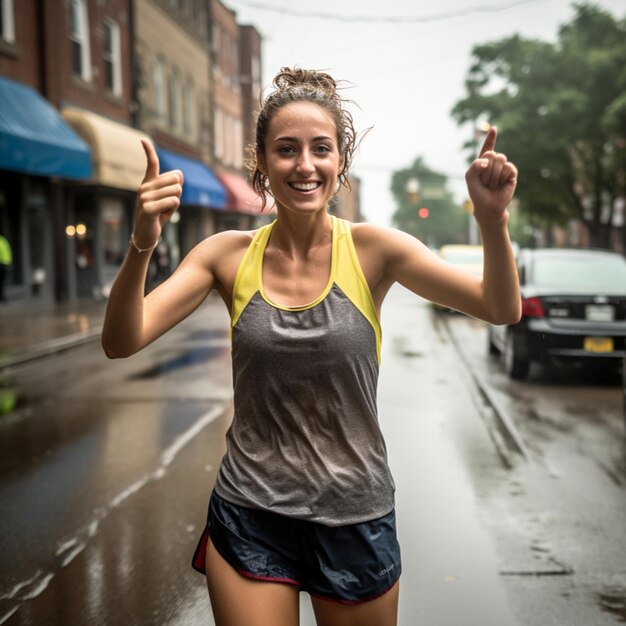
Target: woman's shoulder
{"x": 222, "y": 247}
{"x": 365, "y": 234}
{"x": 228, "y": 239}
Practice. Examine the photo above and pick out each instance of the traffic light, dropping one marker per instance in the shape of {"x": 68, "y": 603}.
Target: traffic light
{"x": 423, "y": 213}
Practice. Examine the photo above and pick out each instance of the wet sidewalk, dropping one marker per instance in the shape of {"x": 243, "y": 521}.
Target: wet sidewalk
{"x": 30, "y": 331}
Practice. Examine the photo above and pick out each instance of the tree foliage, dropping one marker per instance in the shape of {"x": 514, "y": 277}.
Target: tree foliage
{"x": 561, "y": 112}
{"x": 445, "y": 223}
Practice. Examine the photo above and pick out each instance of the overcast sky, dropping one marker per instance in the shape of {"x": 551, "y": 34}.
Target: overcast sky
{"x": 406, "y": 75}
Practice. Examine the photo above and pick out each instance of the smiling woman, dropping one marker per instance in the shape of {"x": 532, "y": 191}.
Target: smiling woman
{"x": 304, "y": 497}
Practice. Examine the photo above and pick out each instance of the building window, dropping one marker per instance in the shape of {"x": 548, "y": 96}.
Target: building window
{"x": 216, "y": 38}
{"x": 158, "y": 79}
{"x": 234, "y": 67}
{"x": 229, "y": 140}
{"x": 112, "y": 57}
{"x": 189, "y": 102}
{"x": 174, "y": 100}
{"x": 218, "y": 122}
{"x": 256, "y": 79}
{"x": 238, "y": 143}
{"x": 79, "y": 39}
{"x": 7, "y": 21}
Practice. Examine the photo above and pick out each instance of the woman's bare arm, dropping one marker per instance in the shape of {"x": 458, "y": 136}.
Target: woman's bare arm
{"x": 132, "y": 321}
{"x": 389, "y": 256}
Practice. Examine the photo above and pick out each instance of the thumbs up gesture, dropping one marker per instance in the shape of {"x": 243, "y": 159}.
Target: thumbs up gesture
{"x": 158, "y": 197}
{"x": 491, "y": 180}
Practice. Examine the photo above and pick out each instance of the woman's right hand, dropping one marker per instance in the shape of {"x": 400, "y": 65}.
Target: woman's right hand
{"x": 158, "y": 197}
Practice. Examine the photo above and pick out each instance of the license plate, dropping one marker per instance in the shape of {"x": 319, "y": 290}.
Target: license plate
{"x": 598, "y": 344}
{"x": 600, "y": 312}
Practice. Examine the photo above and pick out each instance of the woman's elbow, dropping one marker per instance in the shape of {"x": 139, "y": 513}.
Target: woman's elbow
{"x": 508, "y": 317}
{"x": 114, "y": 352}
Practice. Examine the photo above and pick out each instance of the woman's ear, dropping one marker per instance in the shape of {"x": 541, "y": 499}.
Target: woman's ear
{"x": 261, "y": 165}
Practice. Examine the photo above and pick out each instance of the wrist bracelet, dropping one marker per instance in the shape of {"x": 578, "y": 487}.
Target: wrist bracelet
{"x": 132, "y": 241}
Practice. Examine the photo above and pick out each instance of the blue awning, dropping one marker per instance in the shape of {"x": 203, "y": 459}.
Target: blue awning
{"x": 201, "y": 187}
{"x": 34, "y": 139}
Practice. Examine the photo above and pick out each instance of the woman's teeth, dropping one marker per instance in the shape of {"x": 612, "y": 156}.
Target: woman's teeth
{"x": 305, "y": 186}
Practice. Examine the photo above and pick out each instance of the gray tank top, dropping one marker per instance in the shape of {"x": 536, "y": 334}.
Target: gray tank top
{"x": 305, "y": 441}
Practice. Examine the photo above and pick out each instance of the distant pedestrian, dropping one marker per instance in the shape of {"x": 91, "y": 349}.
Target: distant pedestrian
{"x": 6, "y": 260}
{"x": 304, "y": 498}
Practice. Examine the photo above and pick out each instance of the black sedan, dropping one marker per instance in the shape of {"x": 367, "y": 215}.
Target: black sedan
{"x": 573, "y": 308}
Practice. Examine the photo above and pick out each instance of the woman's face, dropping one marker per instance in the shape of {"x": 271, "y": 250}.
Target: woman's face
{"x": 301, "y": 157}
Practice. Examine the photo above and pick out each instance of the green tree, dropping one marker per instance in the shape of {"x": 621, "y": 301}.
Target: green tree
{"x": 561, "y": 112}
{"x": 446, "y": 222}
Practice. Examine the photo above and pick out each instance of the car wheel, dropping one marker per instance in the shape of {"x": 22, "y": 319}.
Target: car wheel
{"x": 516, "y": 367}
{"x": 492, "y": 349}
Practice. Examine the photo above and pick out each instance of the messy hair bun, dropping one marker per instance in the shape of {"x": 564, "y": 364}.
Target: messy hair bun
{"x": 300, "y": 85}
{"x": 289, "y": 78}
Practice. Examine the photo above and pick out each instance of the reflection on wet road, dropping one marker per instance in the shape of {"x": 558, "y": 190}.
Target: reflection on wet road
{"x": 88, "y": 440}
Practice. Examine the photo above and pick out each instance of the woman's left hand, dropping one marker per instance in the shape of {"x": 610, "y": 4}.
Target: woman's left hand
{"x": 491, "y": 182}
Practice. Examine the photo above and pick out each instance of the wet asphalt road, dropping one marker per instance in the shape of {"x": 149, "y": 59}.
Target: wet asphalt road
{"x": 106, "y": 468}
{"x": 561, "y": 535}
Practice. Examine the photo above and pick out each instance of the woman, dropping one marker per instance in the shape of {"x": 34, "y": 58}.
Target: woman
{"x": 304, "y": 498}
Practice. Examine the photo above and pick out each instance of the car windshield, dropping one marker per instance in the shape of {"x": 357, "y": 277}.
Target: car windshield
{"x": 464, "y": 257}
{"x": 594, "y": 273}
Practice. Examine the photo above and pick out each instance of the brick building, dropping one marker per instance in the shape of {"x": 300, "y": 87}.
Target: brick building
{"x": 232, "y": 109}
{"x": 82, "y": 81}
{"x": 60, "y": 213}
{"x": 174, "y": 107}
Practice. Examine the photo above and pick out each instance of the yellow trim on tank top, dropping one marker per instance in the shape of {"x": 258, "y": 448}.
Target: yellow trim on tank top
{"x": 345, "y": 272}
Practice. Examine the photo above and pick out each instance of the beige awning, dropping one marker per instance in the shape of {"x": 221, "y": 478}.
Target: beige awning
{"x": 118, "y": 158}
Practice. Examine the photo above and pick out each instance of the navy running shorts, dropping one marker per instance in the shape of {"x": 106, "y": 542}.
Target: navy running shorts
{"x": 349, "y": 564}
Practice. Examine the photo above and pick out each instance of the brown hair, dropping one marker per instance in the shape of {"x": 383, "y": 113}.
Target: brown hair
{"x": 298, "y": 85}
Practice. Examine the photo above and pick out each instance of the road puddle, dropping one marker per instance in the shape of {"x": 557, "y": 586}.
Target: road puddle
{"x": 612, "y": 599}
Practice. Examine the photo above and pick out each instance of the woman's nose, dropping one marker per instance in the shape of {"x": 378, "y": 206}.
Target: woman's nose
{"x": 305, "y": 162}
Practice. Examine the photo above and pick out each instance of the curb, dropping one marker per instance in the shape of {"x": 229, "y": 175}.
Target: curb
{"x": 507, "y": 429}
{"x": 50, "y": 347}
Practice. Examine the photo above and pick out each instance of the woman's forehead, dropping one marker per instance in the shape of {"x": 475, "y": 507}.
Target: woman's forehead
{"x": 303, "y": 117}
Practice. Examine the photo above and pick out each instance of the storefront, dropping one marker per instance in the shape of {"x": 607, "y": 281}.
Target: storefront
{"x": 202, "y": 203}
{"x": 99, "y": 219}
{"x": 244, "y": 205}
{"x": 39, "y": 156}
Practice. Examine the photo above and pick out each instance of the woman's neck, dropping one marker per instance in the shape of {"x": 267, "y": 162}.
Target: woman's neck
{"x": 296, "y": 235}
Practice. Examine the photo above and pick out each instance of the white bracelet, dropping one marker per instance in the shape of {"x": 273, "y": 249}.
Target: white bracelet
{"x": 132, "y": 240}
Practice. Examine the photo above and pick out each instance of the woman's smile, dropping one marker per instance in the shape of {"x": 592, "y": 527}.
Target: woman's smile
{"x": 305, "y": 186}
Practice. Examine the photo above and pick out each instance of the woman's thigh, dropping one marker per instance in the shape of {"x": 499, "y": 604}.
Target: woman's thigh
{"x": 383, "y": 611}
{"x": 238, "y": 601}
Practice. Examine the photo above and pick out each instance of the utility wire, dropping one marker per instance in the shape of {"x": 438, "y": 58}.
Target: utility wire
{"x": 388, "y": 19}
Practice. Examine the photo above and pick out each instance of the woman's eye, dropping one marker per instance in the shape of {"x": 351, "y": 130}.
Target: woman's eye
{"x": 322, "y": 149}
{"x": 285, "y": 150}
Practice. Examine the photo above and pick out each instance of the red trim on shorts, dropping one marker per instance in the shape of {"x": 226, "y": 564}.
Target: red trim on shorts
{"x": 353, "y": 602}
{"x": 269, "y": 579}
{"x": 198, "y": 562}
